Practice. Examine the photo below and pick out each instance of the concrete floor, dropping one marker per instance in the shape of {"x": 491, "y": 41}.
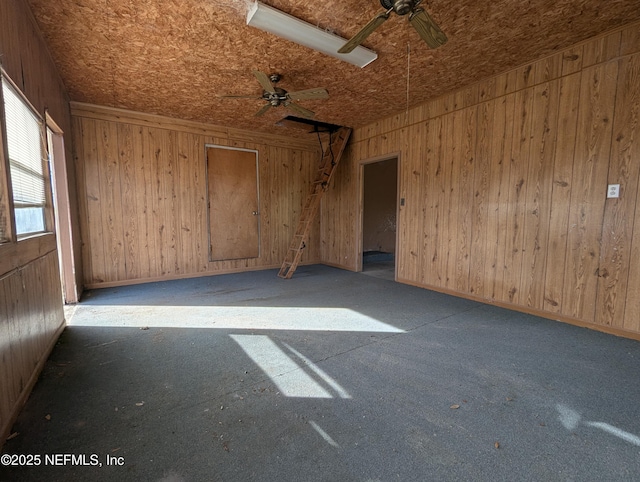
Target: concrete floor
{"x": 329, "y": 376}
{"x": 379, "y": 265}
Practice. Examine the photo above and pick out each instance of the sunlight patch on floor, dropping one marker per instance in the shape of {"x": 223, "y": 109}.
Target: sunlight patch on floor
{"x": 284, "y": 372}
{"x": 229, "y": 318}
{"x": 323, "y": 434}
{"x": 570, "y": 419}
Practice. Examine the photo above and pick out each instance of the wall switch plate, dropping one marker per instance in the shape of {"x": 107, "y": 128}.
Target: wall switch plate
{"x": 613, "y": 191}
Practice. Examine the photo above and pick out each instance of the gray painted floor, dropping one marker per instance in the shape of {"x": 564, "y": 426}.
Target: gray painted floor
{"x": 379, "y": 265}
{"x": 329, "y": 376}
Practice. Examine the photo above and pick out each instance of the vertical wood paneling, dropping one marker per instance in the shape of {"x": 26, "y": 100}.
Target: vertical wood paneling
{"x": 568, "y": 103}
{"x": 602, "y": 49}
{"x": 629, "y": 40}
{"x": 479, "y": 201}
{"x": 31, "y": 311}
{"x": 156, "y": 149}
{"x": 198, "y": 196}
{"x": 538, "y": 195}
{"x": 338, "y": 210}
{"x": 427, "y": 231}
{"x": 516, "y": 189}
{"x": 405, "y": 174}
{"x": 95, "y": 259}
{"x": 505, "y": 186}
{"x": 170, "y": 202}
{"x": 17, "y": 349}
{"x": 145, "y": 200}
{"x": 631, "y": 320}
{"x": 572, "y": 60}
{"x": 624, "y": 169}
{"x": 268, "y": 191}
{"x": 142, "y": 262}
{"x": 28, "y": 325}
{"x": 77, "y": 134}
{"x": 411, "y": 232}
{"x": 588, "y": 190}
{"x": 7, "y": 361}
{"x": 129, "y": 204}
{"x": 447, "y": 248}
{"x": 111, "y": 195}
{"x": 282, "y": 214}
{"x": 148, "y": 161}
{"x": 185, "y": 202}
{"x": 548, "y": 69}
{"x": 466, "y": 164}
{"x": 499, "y": 194}
{"x": 432, "y": 132}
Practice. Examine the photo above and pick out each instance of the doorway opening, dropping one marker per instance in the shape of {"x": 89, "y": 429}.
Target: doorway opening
{"x": 379, "y": 201}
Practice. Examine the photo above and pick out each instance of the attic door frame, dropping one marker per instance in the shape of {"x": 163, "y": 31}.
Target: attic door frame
{"x": 360, "y": 225}
{"x": 208, "y": 193}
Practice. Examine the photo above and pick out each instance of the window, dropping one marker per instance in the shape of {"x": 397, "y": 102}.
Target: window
{"x": 26, "y": 163}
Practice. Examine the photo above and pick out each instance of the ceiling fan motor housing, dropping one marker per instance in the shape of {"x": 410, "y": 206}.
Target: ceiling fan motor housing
{"x": 401, "y": 7}
{"x": 275, "y": 98}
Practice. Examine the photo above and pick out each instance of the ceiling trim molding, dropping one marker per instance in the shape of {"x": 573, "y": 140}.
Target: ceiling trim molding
{"x": 113, "y": 114}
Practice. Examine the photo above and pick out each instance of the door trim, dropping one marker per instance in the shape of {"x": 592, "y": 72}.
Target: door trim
{"x": 62, "y": 214}
{"x": 360, "y": 223}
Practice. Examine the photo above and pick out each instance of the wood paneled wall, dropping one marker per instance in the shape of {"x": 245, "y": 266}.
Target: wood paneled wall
{"x": 24, "y": 56}
{"x": 505, "y": 188}
{"x": 31, "y": 314}
{"x": 143, "y": 198}
{"x": 31, "y": 318}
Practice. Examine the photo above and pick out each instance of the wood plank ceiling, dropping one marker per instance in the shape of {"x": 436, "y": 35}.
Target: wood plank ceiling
{"x": 176, "y": 57}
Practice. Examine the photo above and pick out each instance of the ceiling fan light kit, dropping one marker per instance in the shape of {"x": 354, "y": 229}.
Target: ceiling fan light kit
{"x": 291, "y": 28}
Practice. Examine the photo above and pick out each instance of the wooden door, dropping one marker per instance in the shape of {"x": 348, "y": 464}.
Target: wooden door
{"x": 233, "y": 204}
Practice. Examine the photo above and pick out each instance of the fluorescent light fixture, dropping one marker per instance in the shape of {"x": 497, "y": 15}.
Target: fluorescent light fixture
{"x": 283, "y": 25}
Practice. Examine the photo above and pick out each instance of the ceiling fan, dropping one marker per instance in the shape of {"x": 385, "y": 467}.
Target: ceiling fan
{"x": 418, "y": 17}
{"x": 275, "y": 96}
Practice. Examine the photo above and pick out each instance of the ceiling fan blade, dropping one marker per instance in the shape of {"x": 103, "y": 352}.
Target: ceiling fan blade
{"x": 264, "y": 81}
{"x": 263, "y": 110}
{"x": 317, "y": 93}
{"x": 358, "y": 38}
{"x": 427, "y": 28}
{"x": 300, "y": 110}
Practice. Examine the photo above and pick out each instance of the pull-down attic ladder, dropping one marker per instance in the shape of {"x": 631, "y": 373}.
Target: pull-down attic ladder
{"x": 330, "y": 158}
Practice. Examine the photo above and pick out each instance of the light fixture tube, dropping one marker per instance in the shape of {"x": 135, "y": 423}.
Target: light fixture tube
{"x": 286, "y": 26}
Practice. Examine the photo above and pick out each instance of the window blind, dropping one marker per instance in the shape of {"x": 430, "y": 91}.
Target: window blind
{"x": 24, "y": 143}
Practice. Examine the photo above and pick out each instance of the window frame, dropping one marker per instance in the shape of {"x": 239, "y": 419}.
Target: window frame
{"x": 6, "y": 189}
{"x": 6, "y": 198}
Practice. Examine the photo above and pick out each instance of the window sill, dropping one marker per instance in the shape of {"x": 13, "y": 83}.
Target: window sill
{"x": 25, "y": 250}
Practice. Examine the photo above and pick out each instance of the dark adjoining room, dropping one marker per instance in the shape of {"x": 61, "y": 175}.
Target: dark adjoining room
{"x": 319, "y": 241}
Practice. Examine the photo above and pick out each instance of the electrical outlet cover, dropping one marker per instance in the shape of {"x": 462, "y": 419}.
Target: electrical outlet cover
{"x": 613, "y": 191}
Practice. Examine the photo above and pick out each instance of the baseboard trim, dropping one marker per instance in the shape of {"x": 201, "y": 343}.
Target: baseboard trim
{"x": 201, "y": 274}
{"x": 531, "y": 311}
